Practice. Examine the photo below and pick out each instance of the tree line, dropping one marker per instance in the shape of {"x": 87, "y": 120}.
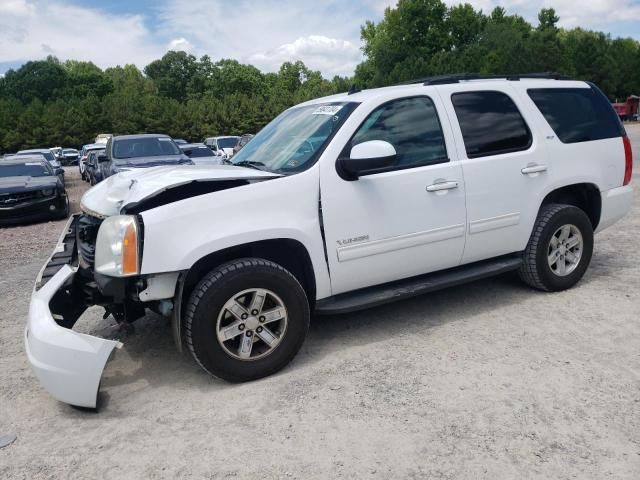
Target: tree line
{"x": 49, "y": 102}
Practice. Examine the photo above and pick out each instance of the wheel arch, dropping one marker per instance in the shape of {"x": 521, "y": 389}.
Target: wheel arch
{"x": 585, "y": 196}
{"x": 289, "y": 253}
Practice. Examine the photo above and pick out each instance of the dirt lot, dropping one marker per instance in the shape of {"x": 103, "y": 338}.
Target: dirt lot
{"x": 489, "y": 380}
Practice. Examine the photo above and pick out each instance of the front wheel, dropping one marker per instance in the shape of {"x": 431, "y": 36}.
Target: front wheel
{"x": 559, "y": 250}
{"x": 246, "y": 319}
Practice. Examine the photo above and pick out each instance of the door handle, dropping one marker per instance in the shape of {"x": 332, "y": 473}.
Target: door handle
{"x": 437, "y": 187}
{"x": 533, "y": 169}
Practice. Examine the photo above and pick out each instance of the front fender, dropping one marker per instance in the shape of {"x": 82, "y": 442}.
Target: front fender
{"x": 179, "y": 234}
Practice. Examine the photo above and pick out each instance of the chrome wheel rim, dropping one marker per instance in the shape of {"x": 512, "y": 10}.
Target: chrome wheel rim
{"x": 565, "y": 250}
{"x": 251, "y": 324}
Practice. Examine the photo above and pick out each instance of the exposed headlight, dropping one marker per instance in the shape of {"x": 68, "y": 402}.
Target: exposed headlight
{"x": 117, "y": 247}
{"x": 47, "y": 192}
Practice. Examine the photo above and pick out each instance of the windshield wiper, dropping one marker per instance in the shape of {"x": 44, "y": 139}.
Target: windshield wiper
{"x": 250, "y": 164}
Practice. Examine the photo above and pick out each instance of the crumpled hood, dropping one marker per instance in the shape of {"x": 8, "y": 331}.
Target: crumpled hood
{"x": 27, "y": 184}
{"x": 131, "y": 187}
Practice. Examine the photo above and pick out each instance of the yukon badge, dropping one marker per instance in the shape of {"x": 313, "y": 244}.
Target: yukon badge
{"x": 349, "y": 241}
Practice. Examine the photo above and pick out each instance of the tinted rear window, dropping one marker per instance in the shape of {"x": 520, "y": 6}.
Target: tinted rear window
{"x": 201, "y": 152}
{"x": 228, "y": 142}
{"x": 577, "y": 114}
{"x": 491, "y": 123}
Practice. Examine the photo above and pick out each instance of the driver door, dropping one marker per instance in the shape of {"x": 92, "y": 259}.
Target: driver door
{"x": 394, "y": 224}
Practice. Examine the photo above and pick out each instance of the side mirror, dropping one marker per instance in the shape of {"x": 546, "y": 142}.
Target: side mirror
{"x": 59, "y": 171}
{"x": 214, "y": 148}
{"x": 367, "y": 158}
{"x": 102, "y": 157}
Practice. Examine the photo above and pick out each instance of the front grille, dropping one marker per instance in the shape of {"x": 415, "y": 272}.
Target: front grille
{"x": 87, "y": 233}
{"x": 10, "y": 199}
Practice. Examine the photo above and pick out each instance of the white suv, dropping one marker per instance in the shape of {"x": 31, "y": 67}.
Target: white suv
{"x": 340, "y": 203}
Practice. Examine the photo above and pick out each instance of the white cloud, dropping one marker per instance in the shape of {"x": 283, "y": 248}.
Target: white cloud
{"x": 329, "y": 55}
{"x": 180, "y": 45}
{"x": 325, "y": 34}
{"x": 31, "y": 29}
{"x": 593, "y": 12}
{"x": 15, "y": 7}
{"x": 269, "y": 33}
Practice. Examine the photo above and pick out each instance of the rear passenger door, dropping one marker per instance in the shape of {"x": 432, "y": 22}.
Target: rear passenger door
{"x": 504, "y": 167}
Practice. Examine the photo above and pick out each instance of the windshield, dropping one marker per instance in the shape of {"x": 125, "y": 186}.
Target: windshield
{"x": 144, "y": 147}
{"x": 227, "y": 142}
{"x": 30, "y": 169}
{"x": 293, "y": 141}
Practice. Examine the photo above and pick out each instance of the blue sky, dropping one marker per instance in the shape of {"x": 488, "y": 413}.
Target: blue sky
{"x": 325, "y": 34}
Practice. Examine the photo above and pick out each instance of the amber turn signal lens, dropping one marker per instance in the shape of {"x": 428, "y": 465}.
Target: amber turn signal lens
{"x": 130, "y": 250}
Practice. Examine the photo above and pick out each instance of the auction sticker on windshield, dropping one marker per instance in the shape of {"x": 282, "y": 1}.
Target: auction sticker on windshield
{"x": 327, "y": 110}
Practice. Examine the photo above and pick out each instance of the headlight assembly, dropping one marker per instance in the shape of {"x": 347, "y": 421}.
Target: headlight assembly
{"x": 117, "y": 247}
{"x": 47, "y": 192}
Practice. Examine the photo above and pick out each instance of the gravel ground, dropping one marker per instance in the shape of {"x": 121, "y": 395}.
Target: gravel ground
{"x": 489, "y": 380}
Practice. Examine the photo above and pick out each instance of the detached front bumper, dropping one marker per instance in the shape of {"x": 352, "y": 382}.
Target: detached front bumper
{"x": 68, "y": 364}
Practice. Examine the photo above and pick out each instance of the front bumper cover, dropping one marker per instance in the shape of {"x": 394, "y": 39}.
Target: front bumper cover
{"x": 68, "y": 364}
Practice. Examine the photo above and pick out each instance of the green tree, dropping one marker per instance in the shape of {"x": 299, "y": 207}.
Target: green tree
{"x": 172, "y": 73}
{"x": 41, "y": 79}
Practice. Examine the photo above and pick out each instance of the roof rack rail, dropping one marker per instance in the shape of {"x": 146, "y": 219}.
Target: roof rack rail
{"x": 461, "y": 77}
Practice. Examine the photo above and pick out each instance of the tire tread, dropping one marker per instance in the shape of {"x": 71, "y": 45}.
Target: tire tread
{"x": 528, "y": 271}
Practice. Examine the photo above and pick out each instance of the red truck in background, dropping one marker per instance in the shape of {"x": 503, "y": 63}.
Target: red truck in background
{"x": 628, "y": 110}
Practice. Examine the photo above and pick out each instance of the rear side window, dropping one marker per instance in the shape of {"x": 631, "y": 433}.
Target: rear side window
{"x": 577, "y": 114}
{"x": 491, "y": 123}
{"x": 197, "y": 152}
{"x": 412, "y": 126}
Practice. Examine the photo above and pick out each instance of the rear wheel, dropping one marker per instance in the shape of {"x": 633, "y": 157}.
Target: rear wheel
{"x": 559, "y": 250}
{"x": 246, "y": 319}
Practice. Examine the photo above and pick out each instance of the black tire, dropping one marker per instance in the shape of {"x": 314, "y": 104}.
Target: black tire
{"x": 65, "y": 213}
{"x": 208, "y": 299}
{"x": 535, "y": 270}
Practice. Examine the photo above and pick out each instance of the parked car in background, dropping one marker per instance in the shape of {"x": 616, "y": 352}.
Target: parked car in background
{"x": 223, "y": 145}
{"x": 57, "y": 153}
{"x": 70, "y": 156}
{"x": 30, "y": 190}
{"x": 244, "y": 139}
{"x": 129, "y": 152}
{"x": 84, "y": 155}
{"x": 200, "y": 154}
{"x": 180, "y": 141}
{"x": 94, "y": 165}
{"x": 49, "y": 157}
{"x": 103, "y": 137}
{"x": 628, "y": 110}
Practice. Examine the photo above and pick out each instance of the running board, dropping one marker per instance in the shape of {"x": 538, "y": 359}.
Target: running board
{"x": 412, "y": 287}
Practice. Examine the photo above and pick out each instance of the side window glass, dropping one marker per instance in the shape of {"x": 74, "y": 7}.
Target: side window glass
{"x": 491, "y": 123}
{"x": 412, "y": 126}
{"x": 577, "y": 114}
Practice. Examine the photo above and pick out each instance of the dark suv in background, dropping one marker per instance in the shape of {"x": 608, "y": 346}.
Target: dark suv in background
{"x": 126, "y": 152}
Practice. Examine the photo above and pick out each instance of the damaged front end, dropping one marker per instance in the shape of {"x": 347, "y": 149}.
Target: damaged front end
{"x": 68, "y": 364}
